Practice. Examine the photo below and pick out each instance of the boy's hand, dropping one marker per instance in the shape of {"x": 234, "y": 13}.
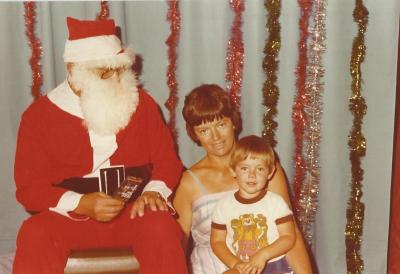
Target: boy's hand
{"x": 240, "y": 267}
{"x": 256, "y": 264}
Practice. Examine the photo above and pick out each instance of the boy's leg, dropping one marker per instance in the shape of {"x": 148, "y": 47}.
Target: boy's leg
{"x": 280, "y": 266}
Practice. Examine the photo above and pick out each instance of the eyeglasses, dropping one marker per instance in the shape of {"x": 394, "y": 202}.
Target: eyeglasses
{"x": 109, "y": 72}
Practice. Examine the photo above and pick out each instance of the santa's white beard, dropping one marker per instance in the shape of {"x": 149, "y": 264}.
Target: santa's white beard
{"x": 107, "y": 104}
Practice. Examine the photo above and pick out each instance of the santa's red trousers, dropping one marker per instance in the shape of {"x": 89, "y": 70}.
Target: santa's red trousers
{"x": 45, "y": 240}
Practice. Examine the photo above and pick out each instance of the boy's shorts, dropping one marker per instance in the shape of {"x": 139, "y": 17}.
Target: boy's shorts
{"x": 278, "y": 267}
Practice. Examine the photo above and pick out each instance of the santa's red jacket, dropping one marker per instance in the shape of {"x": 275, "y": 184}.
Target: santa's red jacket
{"x": 53, "y": 145}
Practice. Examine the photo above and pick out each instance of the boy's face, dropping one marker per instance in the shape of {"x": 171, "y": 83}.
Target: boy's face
{"x": 252, "y": 175}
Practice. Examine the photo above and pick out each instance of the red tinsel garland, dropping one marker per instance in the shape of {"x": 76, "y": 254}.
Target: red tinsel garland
{"x": 308, "y": 197}
{"x": 235, "y": 54}
{"x": 35, "y": 45}
{"x": 298, "y": 115}
{"x": 104, "y": 12}
{"x": 174, "y": 17}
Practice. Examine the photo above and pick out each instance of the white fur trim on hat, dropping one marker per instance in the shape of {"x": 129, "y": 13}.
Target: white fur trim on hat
{"x": 92, "y": 48}
{"x": 123, "y": 59}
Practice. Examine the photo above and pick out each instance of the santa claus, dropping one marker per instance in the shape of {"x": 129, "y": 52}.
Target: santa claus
{"x": 75, "y": 147}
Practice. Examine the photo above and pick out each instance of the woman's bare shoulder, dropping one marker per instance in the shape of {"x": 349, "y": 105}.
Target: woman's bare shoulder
{"x": 279, "y": 185}
{"x": 185, "y": 193}
{"x": 187, "y": 180}
{"x": 203, "y": 166}
{"x": 214, "y": 179}
{"x": 188, "y": 186}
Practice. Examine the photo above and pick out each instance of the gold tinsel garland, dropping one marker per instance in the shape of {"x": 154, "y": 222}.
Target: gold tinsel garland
{"x": 270, "y": 67}
{"x": 357, "y": 145}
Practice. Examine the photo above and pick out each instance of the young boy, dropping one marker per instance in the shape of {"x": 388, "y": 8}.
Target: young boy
{"x": 253, "y": 228}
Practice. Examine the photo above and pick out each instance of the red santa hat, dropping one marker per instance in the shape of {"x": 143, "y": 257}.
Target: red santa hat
{"x": 95, "y": 44}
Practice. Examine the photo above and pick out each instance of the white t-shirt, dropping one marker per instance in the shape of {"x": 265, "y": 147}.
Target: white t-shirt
{"x": 251, "y": 224}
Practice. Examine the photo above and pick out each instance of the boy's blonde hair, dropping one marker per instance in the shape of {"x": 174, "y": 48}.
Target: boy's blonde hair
{"x": 254, "y": 147}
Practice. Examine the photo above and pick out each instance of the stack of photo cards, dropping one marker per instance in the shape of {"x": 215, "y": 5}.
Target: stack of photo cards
{"x": 127, "y": 188}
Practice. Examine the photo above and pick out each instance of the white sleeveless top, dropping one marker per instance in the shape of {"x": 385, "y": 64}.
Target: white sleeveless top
{"x": 203, "y": 259}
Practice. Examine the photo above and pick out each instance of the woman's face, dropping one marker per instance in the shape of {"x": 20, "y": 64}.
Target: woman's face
{"x": 216, "y": 137}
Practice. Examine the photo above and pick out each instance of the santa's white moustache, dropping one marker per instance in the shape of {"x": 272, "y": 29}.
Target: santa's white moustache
{"x": 107, "y": 104}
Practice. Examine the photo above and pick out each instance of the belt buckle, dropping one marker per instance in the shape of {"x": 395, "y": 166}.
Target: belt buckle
{"x": 111, "y": 178}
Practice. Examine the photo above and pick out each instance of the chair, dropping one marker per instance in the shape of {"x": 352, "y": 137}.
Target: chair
{"x": 102, "y": 261}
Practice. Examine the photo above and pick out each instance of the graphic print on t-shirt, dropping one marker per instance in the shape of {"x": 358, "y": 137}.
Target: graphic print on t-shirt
{"x": 250, "y": 234}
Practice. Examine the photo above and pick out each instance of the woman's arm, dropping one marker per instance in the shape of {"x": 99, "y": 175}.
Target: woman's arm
{"x": 183, "y": 203}
{"x": 297, "y": 257}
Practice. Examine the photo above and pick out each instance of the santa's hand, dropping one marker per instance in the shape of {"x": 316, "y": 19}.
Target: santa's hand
{"x": 99, "y": 206}
{"x": 151, "y": 199}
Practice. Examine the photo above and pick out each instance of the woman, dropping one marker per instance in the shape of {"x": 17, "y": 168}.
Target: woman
{"x": 213, "y": 123}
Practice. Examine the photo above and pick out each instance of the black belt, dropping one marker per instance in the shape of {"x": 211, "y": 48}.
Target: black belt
{"x": 110, "y": 179}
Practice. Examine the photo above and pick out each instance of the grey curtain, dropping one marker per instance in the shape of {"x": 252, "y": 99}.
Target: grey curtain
{"x": 204, "y": 34}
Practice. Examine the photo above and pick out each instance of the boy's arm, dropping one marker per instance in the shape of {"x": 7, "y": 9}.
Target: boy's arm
{"x": 218, "y": 245}
{"x": 282, "y": 245}
{"x": 298, "y": 257}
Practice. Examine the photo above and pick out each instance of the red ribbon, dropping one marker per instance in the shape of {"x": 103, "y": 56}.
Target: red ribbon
{"x": 174, "y": 17}
{"x": 235, "y": 54}
{"x": 104, "y": 12}
{"x": 299, "y": 115}
{"x": 35, "y": 45}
